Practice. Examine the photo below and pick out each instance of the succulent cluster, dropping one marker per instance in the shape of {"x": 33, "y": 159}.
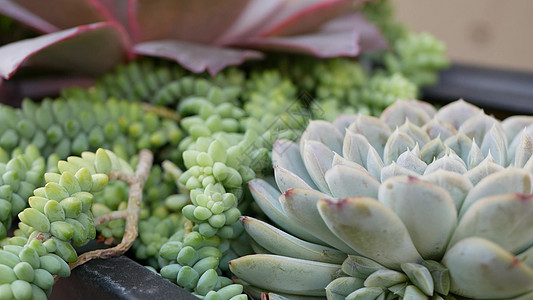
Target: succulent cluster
{"x": 418, "y": 204}
{"x": 59, "y": 217}
{"x": 64, "y": 127}
{"x": 21, "y": 172}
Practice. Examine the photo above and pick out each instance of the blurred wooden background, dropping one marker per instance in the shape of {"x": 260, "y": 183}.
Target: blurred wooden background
{"x": 491, "y": 33}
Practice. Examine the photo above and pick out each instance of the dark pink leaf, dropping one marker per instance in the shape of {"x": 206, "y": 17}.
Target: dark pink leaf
{"x": 89, "y": 49}
{"x": 370, "y": 37}
{"x": 196, "y": 57}
{"x": 311, "y": 17}
{"x": 123, "y": 11}
{"x": 25, "y": 17}
{"x": 65, "y": 14}
{"x": 251, "y": 21}
{"x": 321, "y": 43}
{"x": 199, "y": 21}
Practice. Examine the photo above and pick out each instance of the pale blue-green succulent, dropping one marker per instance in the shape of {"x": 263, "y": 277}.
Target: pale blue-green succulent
{"x": 418, "y": 204}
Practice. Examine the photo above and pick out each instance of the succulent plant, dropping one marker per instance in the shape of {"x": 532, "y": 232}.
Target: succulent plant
{"x": 418, "y": 204}
{"x": 200, "y": 36}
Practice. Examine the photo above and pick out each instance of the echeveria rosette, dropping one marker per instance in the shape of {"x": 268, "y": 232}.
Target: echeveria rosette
{"x": 423, "y": 203}
{"x": 91, "y": 36}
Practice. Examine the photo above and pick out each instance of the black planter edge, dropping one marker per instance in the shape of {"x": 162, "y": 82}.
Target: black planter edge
{"x": 498, "y": 91}
{"x": 116, "y": 278}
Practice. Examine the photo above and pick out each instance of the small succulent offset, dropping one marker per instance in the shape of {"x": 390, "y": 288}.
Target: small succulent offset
{"x": 93, "y": 36}
{"x": 418, "y": 204}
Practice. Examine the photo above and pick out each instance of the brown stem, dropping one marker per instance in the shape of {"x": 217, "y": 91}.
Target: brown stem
{"x": 136, "y": 184}
{"x": 110, "y": 216}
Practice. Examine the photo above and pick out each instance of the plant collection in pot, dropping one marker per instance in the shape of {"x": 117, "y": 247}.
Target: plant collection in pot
{"x": 172, "y": 163}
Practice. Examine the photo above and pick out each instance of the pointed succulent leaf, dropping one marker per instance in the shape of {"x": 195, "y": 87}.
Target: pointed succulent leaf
{"x": 267, "y": 198}
{"x": 360, "y": 266}
{"x": 460, "y": 144}
{"x": 395, "y": 170}
{"x": 284, "y": 274}
{"x": 349, "y": 182}
{"x": 195, "y": 57}
{"x": 435, "y": 149}
{"x": 479, "y": 125}
{"x": 419, "y": 276}
{"x": 385, "y": 278}
{"x": 515, "y": 124}
{"x": 426, "y": 210}
{"x": 373, "y": 129}
{"x": 475, "y": 156}
{"x": 450, "y": 162}
{"x": 323, "y": 132}
{"x": 523, "y": 151}
{"x": 371, "y": 229}
{"x": 457, "y": 112}
{"x": 435, "y": 128}
{"x": 510, "y": 180}
{"x": 366, "y": 293}
{"x": 355, "y": 148}
{"x": 506, "y": 220}
{"x": 412, "y": 110}
{"x": 286, "y": 154}
{"x": 281, "y": 243}
{"x": 343, "y": 121}
{"x": 484, "y": 169}
{"x": 341, "y": 287}
{"x": 75, "y": 46}
{"x": 397, "y": 143}
{"x": 413, "y": 292}
{"x": 456, "y": 185}
{"x": 285, "y": 180}
{"x": 482, "y": 269}
{"x": 317, "y": 159}
{"x": 411, "y": 161}
{"x": 300, "y": 206}
{"x": 495, "y": 143}
{"x": 416, "y": 133}
{"x": 440, "y": 276}
{"x": 341, "y": 161}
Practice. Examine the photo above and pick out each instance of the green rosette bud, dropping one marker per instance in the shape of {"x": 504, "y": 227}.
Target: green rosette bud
{"x": 84, "y": 179}
{"x": 72, "y": 206}
{"x": 65, "y": 250}
{"x": 99, "y": 182}
{"x": 24, "y": 271}
{"x": 21, "y": 290}
{"x": 62, "y": 230}
{"x": 102, "y": 162}
{"x": 5, "y": 291}
{"x": 207, "y": 282}
{"x": 8, "y": 258}
{"x": 55, "y": 191}
{"x": 187, "y": 278}
{"x": 54, "y": 211}
{"x": 43, "y": 279}
{"x": 171, "y": 271}
{"x": 187, "y": 256}
{"x": 50, "y": 264}
{"x": 35, "y": 219}
{"x": 70, "y": 183}
{"x": 30, "y": 256}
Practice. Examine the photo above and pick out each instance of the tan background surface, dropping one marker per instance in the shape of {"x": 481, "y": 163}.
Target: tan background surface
{"x": 481, "y": 32}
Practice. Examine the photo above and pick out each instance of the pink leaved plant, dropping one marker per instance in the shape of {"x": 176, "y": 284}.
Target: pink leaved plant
{"x": 92, "y": 36}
